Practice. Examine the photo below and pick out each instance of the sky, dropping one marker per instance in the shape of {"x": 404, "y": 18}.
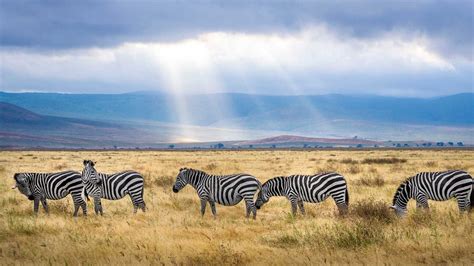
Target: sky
{"x": 398, "y": 48}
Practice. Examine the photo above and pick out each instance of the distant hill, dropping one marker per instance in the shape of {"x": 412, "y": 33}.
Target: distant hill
{"x": 449, "y": 118}
{"x": 21, "y": 127}
{"x": 288, "y": 140}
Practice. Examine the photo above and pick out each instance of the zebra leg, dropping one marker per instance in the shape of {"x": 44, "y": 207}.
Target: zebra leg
{"x": 422, "y": 202}
{"x": 45, "y": 205}
{"x": 213, "y": 208}
{"x": 36, "y": 205}
{"x": 301, "y": 206}
{"x": 463, "y": 203}
{"x": 250, "y": 207}
{"x": 76, "y": 209}
{"x": 203, "y": 206}
{"x": 97, "y": 206}
{"x": 294, "y": 206}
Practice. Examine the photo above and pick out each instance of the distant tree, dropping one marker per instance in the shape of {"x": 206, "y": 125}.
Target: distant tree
{"x": 359, "y": 146}
{"x": 171, "y": 146}
{"x": 376, "y": 146}
{"x": 406, "y": 145}
{"x": 460, "y": 144}
{"x": 305, "y": 145}
{"x": 450, "y": 143}
{"x": 399, "y": 145}
{"x": 274, "y": 146}
{"x": 440, "y": 144}
{"x": 250, "y": 146}
{"x": 115, "y": 147}
{"x": 219, "y": 146}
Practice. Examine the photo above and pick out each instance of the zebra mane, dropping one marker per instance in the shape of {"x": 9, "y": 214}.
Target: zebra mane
{"x": 191, "y": 170}
{"x": 400, "y": 188}
{"x": 274, "y": 179}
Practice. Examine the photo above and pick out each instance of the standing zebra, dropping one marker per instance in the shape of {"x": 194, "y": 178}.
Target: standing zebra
{"x": 309, "y": 188}
{"x": 42, "y": 186}
{"x": 227, "y": 190}
{"x": 437, "y": 186}
{"x": 112, "y": 187}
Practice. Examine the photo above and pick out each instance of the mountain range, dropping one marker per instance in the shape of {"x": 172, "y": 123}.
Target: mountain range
{"x": 144, "y": 118}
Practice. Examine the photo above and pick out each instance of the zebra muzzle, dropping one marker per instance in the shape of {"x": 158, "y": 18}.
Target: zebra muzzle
{"x": 175, "y": 190}
{"x": 15, "y": 186}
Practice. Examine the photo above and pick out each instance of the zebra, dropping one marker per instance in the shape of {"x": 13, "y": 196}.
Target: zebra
{"x": 438, "y": 186}
{"x": 112, "y": 187}
{"x": 54, "y": 186}
{"x": 227, "y": 190}
{"x": 306, "y": 188}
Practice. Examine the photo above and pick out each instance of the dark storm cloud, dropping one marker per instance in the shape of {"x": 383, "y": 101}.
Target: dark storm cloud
{"x": 80, "y": 24}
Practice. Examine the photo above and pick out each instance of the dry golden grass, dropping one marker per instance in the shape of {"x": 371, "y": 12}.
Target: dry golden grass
{"x": 172, "y": 231}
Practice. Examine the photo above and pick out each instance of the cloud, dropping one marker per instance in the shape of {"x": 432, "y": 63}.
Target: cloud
{"x": 314, "y": 60}
{"x": 84, "y": 24}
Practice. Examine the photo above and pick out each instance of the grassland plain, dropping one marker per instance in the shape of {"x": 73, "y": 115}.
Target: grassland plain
{"x": 173, "y": 232}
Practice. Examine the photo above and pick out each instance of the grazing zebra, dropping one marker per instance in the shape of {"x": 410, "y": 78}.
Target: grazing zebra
{"x": 112, "y": 187}
{"x": 42, "y": 186}
{"x": 309, "y": 188}
{"x": 227, "y": 190}
{"x": 437, "y": 186}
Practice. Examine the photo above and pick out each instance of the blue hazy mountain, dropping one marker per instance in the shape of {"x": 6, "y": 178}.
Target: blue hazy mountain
{"x": 215, "y": 108}
{"x": 161, "y": 115}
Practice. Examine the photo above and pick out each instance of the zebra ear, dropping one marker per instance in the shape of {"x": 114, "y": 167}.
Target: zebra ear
{"x": 183, "y": 169}
{"x": 93, "y": 163}
{"x": 85, "y": 162}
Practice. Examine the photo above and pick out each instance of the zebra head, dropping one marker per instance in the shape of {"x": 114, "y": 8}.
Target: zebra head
{"x": 262, "y": 197}
{"x": 401, "y": 198}
{"x": 89, "y": 174}
{"x": 23, "y": 184}
{"x": 181, "y": 180}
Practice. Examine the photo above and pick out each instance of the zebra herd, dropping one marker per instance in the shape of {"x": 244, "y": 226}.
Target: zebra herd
{"x": 229, "y": 190}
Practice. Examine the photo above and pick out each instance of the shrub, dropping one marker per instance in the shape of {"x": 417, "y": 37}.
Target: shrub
{"x": 371, "y": 181}
{"x": 392, "y": 160}
{"x": 354, "y": 169}
{"x": 359, "y": 235}
{"x": 164, "y": 181}
{"x": 210, "y": 167}
{"x": 371, "y": 209}
{"x": 349, "y": 161}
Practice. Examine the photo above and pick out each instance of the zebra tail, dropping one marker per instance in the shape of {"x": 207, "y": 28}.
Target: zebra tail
{"x": 472, "y": 195}
{"x": 84, "y": 195}
{"x": 347, "y": 196}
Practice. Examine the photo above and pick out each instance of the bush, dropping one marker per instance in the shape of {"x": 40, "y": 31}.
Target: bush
{"x": 349, "y": 161}
{"x": 359, "y": 235}
{"x": 371, "y": 209}
{"x": 164, "y": 181}
{"x": 392, "y": 160}
{"x": 354, "y": 169}
{"x": 371, "y": 181}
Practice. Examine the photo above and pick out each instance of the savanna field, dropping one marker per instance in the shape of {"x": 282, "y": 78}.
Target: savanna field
{"x": 173, "y": 232}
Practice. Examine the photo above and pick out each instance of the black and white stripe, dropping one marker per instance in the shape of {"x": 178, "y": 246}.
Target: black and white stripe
{"x": 113, "y": 186}
{"x": 306, "y": 188}
{"x": 438, "y": 186}
{"x": 226, "y": 190}
{"x": 40, "y": 187}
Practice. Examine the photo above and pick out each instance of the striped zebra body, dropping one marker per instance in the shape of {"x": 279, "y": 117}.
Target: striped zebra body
{"x": 306, "y": 188}
{"x": 226, "y": 190}
{"x": 40, "y": 187}
{"x": 438, "y": 186}
{"x": 113, "y": 186}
